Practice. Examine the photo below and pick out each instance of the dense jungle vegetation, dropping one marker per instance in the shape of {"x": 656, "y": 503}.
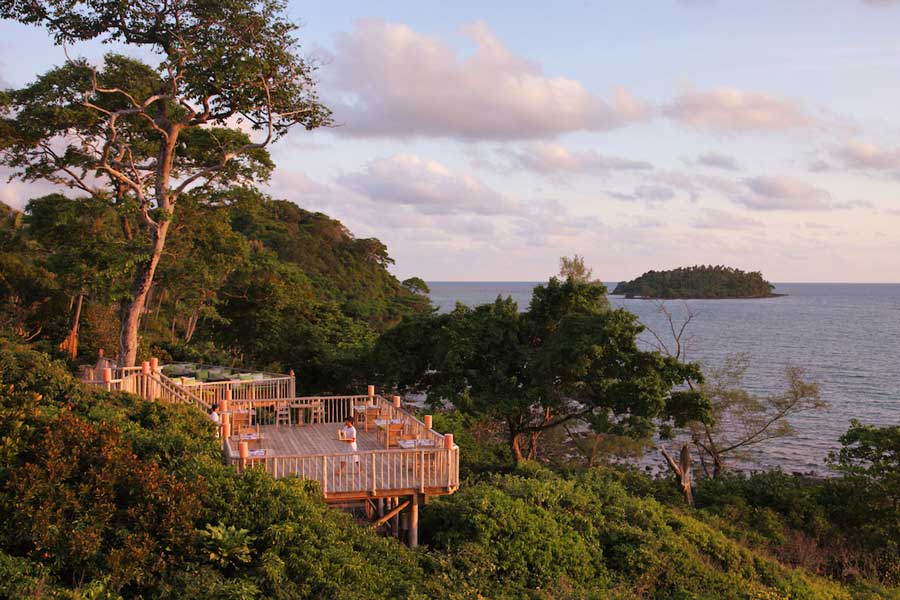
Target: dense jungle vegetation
{"x": 106, "y": 496}
{"x": 246, "y": 280}
{"x": 700, "y": 281}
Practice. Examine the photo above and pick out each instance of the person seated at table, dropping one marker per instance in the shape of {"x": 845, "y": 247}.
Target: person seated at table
{"x": 347, "y": 434}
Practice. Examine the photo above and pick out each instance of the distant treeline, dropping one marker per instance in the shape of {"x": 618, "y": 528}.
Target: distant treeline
{"x": 699, "y": 281}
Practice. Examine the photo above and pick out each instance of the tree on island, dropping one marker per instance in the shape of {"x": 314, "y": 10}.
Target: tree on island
{"x": 140, "y": 136}
{"x": 704, "y": 281}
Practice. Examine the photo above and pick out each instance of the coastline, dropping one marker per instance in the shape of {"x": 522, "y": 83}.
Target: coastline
{"x": 631, "y": 297}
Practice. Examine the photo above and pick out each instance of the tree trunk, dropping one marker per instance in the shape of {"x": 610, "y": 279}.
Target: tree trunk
{"x": 73, "y": 347}
{"x": 682, "y": 470}
{"x": 140, "y": 288}
{"x": 192, "y": 325}
{"x": 532, "y": 450}
{"x": 516, "y": 446}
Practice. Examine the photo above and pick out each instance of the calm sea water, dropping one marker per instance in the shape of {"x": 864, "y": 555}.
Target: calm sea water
{"x": 845, "y": 336}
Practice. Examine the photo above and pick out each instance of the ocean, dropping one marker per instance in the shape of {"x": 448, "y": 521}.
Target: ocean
{"x": 846, "y": 337}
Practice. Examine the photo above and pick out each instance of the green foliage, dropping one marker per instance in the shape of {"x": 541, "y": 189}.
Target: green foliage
{"x": 227, "y": 546}
{"x": 568, "y": 357}
{"x": 106, "y": 496}
{"x": 704, "y": 281}
{"x": 534, "y": 533}
{"x": 245, "y": 280}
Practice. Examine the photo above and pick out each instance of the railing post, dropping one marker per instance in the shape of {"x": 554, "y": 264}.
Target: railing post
{"x": 107, "y": 378}
{"x": 154, "y": 364}
{"x": 448, "y": 447}
{"x": 373, "y": 474}
{"x": 324, "y": 475}
{"x": 422, "y": 471}
{"x": 243, "y": 452}
{"x": 371, "y": 393}
{"x": 145, "y": 379}
{"x": 428, "y": 422}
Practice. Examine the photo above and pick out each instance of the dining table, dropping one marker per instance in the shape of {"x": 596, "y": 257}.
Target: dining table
{"x": 382, "y": 425}
{"x": 413, "y": 444}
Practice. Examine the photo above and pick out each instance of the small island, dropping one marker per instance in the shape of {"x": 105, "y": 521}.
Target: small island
{"x": 697, "y": 282}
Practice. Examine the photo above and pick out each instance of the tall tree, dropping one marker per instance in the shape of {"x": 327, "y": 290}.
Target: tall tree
{"x": 141, "y": 136}
{"x": 567, "y": 358}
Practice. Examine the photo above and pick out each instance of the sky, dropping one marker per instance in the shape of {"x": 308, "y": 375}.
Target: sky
{"x": 481, "y": 141}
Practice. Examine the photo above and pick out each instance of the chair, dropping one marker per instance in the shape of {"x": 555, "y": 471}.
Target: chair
{"x": 239, "y": 420}
{"x": 283, "y": 415}
{"x": 317, "y": 413}
{"x": 392, "y": 434}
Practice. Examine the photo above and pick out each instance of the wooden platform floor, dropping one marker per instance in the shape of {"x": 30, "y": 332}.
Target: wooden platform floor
{"x": 296, "y": 450}
{"x": 308, "y": 440}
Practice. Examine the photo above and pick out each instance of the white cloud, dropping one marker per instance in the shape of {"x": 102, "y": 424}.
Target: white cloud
{"x": 649, "y": 193}
{"x": 783, "y": 193}
{"x": 856, "y": 154}
{"x": 426, "y": 185}
{"x": 730, "y": 110}
{"x": 713, "y": 218}
{"x": 819, "y": 166}
{"x": 718, "y": 160}
{"x": 394, "y": 81}
{"x": 551, "y": 159}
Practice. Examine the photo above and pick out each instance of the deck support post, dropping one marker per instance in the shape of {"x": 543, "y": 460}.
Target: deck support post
{"x": 414, "y": 521}
{"x": 404, "y": 525}
{"x": 395, "y": 520}
{"x": 380, "y": 507}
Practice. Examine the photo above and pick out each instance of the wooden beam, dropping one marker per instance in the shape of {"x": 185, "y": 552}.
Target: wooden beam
{"x": 385, "y": 518}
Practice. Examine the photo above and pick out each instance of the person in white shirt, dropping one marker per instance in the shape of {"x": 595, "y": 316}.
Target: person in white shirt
{"x": 347, "y": 434}
{"x": 216, "y": 418}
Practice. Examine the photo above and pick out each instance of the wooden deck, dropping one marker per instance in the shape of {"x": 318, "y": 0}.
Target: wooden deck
{"x": 297, "y": 440}
{"x": 309, "y": 451}
{"x": 314, "y": 452}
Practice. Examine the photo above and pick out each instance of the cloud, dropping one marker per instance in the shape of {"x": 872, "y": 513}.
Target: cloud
{"x": 426, "y": 185}
{"x": 783, "y": 193}
{"x": 717, "y": 160}
{"x": 550, "y": 159}
{"x": 856, "y": 154}
{"x": 649, "y": 193}
{"x": 730, "y": 110}
{"x": 393, "y": 81}
{"x": 713, "y": 218}
{"x": 819, "y": 166}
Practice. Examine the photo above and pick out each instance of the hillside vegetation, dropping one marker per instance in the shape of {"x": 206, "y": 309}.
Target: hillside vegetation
{"x": 105, "y": 496}
{"x": 246, "y": 280}
{"x": 701, "y": 281}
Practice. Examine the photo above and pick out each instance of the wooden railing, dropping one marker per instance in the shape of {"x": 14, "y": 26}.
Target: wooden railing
{"x": 379, "y": 470}
{"x": 336, "y": 409}
{"x": 149, "y": 386}
{"x": 272, "y": 387}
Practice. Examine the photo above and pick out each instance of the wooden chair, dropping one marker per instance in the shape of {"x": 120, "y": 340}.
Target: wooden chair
{"x": 239, "y": 420}
{"x": 283, "y": 415}
{"x": 392, "y": 434}
{"x": 372, "y": 413}
{"x": 317, "y": 413}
